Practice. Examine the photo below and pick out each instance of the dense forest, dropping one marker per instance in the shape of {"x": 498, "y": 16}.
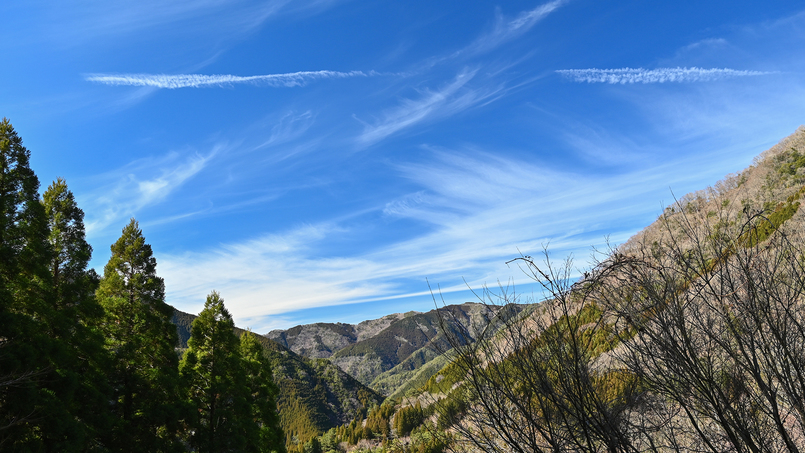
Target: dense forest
{"x": 688, "y": 337}
{"x": 91, "y": 363}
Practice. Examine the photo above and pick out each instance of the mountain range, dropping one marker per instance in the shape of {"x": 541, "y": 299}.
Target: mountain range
{"x": 332, "y": 373}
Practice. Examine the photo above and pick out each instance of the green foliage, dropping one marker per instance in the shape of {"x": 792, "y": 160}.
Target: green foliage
{"x": 144, "y": 372}
{"x": 221, "y": 418}
{"x": 760, "y": 232}
{"x": 77, "y": 382}
{"x": 51, "y": 388}
{"x": 329, "y": 440}
{"x": 90, "y": 363}
{"x": 793, "y": 162}
{"x": 71, "y": 252}
{"x": 313, "y": 446}
{"x": 410, "y": 383}
{"x": 183, "y": 322}
{"x": 450, "y": 409}
{"x": 444, "y": 380}
{"x": 378, "y": 421}
{"x": 230, "y": 385}
{"x": 408, "y": 418}
{"x": 262, "y": 395}
{"x": 314, "y": 395}
{"x": 427, "y": 440}
{"x": 596, "y": 336}
{"x": 25, "y": 308}
{"x": 617, "y": 387}
{"x": 389, "y": 381}
{"x": 377, "y": 426}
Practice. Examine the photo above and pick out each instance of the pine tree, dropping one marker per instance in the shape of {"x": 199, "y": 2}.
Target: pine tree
{"x": 141, "y": 338}
{"x": 25, "y": 347}
{"x": 263, "y": 395}
{"x": 213, "y": 374}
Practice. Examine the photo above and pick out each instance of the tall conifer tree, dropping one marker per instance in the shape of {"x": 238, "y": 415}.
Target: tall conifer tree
{"x": 25, "y": 347}
{"x": 141, "y": 338}
{"x": 212, "y": 372}
{"x": 72, "y": 282}
{"x": 77, "y": 380}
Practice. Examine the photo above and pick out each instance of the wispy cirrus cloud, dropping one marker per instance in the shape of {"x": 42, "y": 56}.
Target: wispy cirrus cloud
{"x": 659, "y": 75}
{"x": 507, "y": 29}
{"x": 452, "y": 98}
{"x": 139, "y": 184}
{"x": 481, "y": 208}
{"x": 80, "y": 21}
{"x": 456, "y": 95}
{"x": 709, "y": 42}
{"x": 174, "y": 81}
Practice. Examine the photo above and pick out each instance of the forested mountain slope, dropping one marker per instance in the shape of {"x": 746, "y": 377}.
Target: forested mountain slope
{"x": 314, "y": 396}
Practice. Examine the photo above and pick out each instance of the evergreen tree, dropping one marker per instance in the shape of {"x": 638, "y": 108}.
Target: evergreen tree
{"x": 76, "y": 381}
{"x": 408, "y": 418}
{"x": 312, "y": 446}
{"x": 25, "y": 347}
{"x": 141, "y": 339}
{"x": 263, "y": 394}
{"x": 212, "y": 372}
{"x": 72, "y": 282}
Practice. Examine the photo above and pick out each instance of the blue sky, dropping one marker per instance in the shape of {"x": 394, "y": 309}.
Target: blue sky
{"x": 323, "y": 160}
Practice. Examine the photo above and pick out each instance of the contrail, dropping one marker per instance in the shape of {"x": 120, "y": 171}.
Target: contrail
{"x": 660, "y": 75}
{"x": 174, "y": 81}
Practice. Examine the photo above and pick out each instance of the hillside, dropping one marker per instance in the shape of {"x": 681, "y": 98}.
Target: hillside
{"x": 315, "y": 395}
{"x": 690, "y": 332}
{"x": 770, "y": 185}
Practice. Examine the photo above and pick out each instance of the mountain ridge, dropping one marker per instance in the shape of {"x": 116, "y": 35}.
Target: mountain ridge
{"x": 381, "y": 353}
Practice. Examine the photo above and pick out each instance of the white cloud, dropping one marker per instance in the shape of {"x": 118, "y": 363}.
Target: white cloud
{"x": 139, "y": 184}
{"x": 448, "y": 100}
{"x": 481, "y": 209}
{"x": 174, "y": 81}
{"x": 286, "y": 128}
{"x": 709, "y": 42}
{"x": 269, "y": 275}
{"x": 507, "y": 29}
{"x": 660, "y": 75}
{"x": 405, "y": 204}
{"x": 456, "y": 95}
